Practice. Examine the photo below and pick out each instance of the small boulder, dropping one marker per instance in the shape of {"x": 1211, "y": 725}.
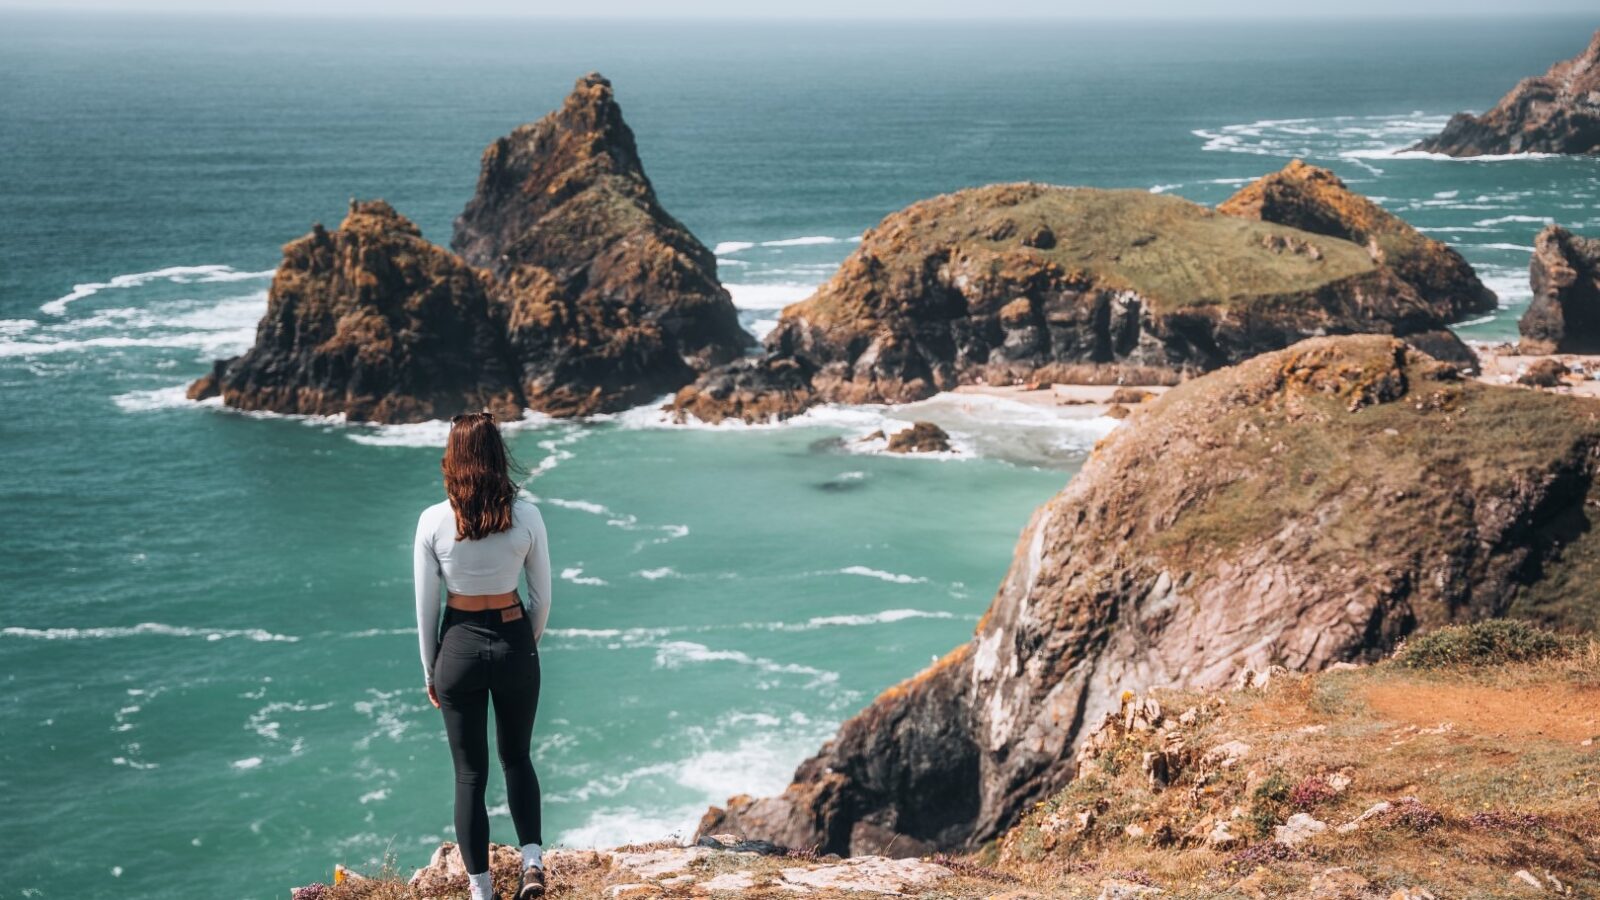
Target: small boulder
{"x": 1300, "y": 828}
{"x": 1544, "y": 373}
{"x": 921, "y": 437}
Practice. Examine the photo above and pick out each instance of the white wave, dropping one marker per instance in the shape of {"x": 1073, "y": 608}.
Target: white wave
{"x": 658, "y": 574}
{"x": 808, "y": 240}
{"x": 432, "y": 433}
{"x": 768, "y": 296}
{"x": 154, "y": 398}
{"x": 878, "y": 618}
{"x": 851, "y": 476}
{"x": 763, "y": 327}
{"x": 892, "y": 577}
{"x": 210, "y": 634}
{"x": 677, "y": 654}
{"x": 575, "y": 575}
{"x": 247, "y": 763}
{"x": 13, "y": 327}
{"x": 1502, "y": 246}
{"x": 726, "y": 247}
{"x": 1450, "y": 229}
{"x": 175, "y": 274}
{"x": 595, "y": 509}
{"x": 211, "y": 342}
{"x": 1446, "y": 195}
{"x": 628, "y": 825}
{"x": 1163, "y": 188}
{"x": 1481, "y": 320}
{"x": 1501, "y": 220}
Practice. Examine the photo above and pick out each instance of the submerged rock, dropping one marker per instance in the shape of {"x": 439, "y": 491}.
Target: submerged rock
{"x": 372, "y": 321}
{"x": 1307, "y": 507}
{"x": 1129, "y": 287}
{"x": 567, "y": 195}
{"x": 1557, "y": 112}
{"x": 1316, "y": 200}
{"x": 1564, "y": 316}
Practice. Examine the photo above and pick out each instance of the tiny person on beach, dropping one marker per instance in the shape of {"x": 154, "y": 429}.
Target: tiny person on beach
{"x": 476, "y": 543}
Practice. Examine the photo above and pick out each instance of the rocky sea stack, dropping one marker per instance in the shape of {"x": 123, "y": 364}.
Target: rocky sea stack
{"x": 1032, "y": 282}
{"x": 1557, "y": 112}
{"x": 1564, "y": 273}
{"x": 563, "y": 210}
{"x": 372, "y": 321}
{"x": 574, "y": 293}
{"x": 1307, "y": 507}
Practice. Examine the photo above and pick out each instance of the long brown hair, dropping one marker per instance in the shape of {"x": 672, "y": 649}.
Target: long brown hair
{"x": 477, "y": 476}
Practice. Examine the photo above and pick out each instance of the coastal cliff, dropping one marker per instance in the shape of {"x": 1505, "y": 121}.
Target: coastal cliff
{"x": 1349, "y": 784}
{"x": 574, "y": 293}
{"x": 1314, "y": 199}
{"x": 1308, "y": 507}
{"x": 1028, "y": 282}
{"x": 1557, "y": 112}
{"x": 1564, "y": 273}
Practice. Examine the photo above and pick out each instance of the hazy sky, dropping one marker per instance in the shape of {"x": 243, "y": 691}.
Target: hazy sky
{"x": 896, "y": 9}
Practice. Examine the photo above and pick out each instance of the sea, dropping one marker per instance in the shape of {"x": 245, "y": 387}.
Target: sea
{"x": 211, "y": 683}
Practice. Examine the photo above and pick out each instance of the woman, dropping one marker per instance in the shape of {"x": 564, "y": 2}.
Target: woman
{"x": 476, "y": 542}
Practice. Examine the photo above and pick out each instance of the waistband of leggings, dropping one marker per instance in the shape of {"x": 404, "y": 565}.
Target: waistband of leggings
{"x": 484, "y": 616}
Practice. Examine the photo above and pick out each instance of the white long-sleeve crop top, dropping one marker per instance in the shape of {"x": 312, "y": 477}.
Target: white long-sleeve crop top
{"x": 489, "y": 565}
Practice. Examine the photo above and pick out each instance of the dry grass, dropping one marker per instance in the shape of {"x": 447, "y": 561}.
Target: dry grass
{"x": 1485, "y": 766}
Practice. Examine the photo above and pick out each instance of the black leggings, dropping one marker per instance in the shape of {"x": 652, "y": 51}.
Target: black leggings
{"x": 481, "y": 657}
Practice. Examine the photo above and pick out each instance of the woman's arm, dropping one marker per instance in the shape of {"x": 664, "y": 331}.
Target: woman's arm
{"x": 537, "y": 567}
{"x": 425, "y": 577}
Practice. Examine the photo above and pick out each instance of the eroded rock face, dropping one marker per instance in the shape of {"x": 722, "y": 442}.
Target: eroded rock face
{"x": 1564, "y": 316}
{"x": 1017, "y": 283}
{"x": 1307, "y": 507}
{"x": 1316, "y": 200}
{"x": 590, "y": 297}
{"x": 375, "y": 322}
{"x": 568, "y": 195}
{"x": 1557, "y": 112}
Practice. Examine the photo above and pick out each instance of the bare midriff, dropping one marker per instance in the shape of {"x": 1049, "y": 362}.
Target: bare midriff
{"x": 480, "y": 602}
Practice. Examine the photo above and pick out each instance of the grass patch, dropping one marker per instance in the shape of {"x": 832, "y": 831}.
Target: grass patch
{"x": 1488, "y": 643}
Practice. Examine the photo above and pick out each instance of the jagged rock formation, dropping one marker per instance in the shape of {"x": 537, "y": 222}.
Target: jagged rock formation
{"x": 1306, "y": 507}
{"x": 1315, "y": 200}
{"x": 591, "y": 297}
{"x": 1030, "y": 282}
{"x": 1557, "y": 112}
{"x": 375, "y": 322}
{"x": 1564, "y": 316}
{"x": 568, "y": 196}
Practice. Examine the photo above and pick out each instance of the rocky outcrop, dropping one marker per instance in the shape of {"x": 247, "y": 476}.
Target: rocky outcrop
{"x": 921, "y": 437}
{"x": 1564, "y": 316}
{"x": 568, "y": 197}
{"x": 1316, "y": 200}
{"x": 1307, "y": 507}
{"x": 372, "y": 321}
{"x": 1557, "y": 112}
{"x": 575, "y": 293}
{"x": 1018, "y": 283}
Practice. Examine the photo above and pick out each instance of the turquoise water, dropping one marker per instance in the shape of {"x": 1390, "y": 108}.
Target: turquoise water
{"x": 209, "y": 657}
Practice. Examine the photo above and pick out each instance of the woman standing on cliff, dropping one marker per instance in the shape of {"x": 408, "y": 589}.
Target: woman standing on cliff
{"x": 476, "y": 542}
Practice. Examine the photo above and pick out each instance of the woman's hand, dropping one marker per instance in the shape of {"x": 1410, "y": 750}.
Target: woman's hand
{"x": 433, "y": 696}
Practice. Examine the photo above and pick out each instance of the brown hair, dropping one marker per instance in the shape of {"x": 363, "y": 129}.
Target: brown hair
{"x": 477, "y": 476}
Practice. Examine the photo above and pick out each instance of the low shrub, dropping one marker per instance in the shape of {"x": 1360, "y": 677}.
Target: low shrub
{"x": 1486, "y": 643}
{"x": 1311, "y": 791}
